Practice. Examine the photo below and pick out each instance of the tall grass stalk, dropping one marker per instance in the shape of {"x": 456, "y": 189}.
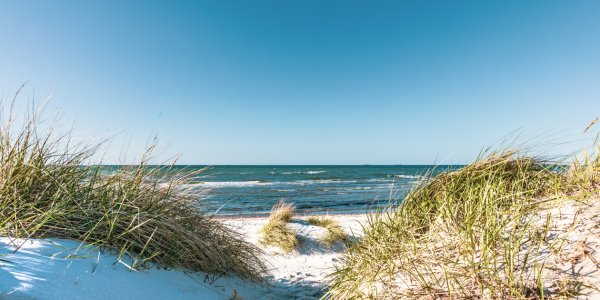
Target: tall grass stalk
{"x": 48, "y": 189}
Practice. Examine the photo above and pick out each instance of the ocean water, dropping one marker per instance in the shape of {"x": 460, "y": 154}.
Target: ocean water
{"x": 253, "y": 190}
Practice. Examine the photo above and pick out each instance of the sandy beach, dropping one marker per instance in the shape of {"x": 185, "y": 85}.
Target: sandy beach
{"x": 301, "y": 273}
{"x": 63, "y": 269}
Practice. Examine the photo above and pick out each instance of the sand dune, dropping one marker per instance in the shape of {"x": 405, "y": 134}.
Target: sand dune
{"x": 63, "y": 269}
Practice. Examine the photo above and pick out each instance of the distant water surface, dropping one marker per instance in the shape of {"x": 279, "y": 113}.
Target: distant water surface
{"x": 253, "y": 190}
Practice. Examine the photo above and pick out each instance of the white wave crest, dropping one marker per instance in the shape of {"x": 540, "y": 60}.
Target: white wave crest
{"x": 303, "y": 182}
{"x": 234, "y": 183}
{"x": 378, "y": 180}
{"x": 408, "y": 176}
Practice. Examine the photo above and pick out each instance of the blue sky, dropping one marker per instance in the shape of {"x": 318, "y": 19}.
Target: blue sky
{"x": 309, "y": 82}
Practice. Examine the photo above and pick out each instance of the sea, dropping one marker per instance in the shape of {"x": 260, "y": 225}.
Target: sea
{"x": 253, "y": 190}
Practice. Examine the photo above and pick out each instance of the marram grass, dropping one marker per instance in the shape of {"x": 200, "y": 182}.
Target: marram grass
{"x": 335, "y": 232}
{"x": 275, "y": 232}
{"x": 47, "y": 189}
{"x": 467, "y": 234}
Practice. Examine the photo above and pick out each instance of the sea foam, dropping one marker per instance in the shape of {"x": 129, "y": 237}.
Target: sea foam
{"x": 408, "y": 176}
{"x": 235, "y": 183}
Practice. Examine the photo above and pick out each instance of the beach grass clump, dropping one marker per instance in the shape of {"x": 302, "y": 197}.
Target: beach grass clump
{"x": 275, "y": 232}
{"x": 282, "y": 212}
{"x": 48, "y": 189}
{"x": 582, "y": 172}
{"x": 335, "y": 232}
{"x": 470, "y": 233}
{"x": 582, "y": 175}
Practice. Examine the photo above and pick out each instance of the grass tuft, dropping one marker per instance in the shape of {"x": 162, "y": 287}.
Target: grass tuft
{"x": 335, "y": 232}
{"x": 275, "y": 232}
{"x": 282, "y": 212}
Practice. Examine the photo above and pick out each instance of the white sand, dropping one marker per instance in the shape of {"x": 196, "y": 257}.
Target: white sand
{"x": 57, "y": 269}
{"x": 575, "y": 225}
{"x": 301, "y": 273}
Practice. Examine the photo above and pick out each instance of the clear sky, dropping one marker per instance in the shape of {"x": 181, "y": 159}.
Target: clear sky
{"x": 309, "y": 82}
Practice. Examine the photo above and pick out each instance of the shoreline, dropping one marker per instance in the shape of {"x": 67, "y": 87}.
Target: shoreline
{"x": 296, "y": 215}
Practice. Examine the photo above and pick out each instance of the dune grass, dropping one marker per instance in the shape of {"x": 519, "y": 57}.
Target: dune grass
{"x": 49, "y": 190}
{"x": 582, "y": 175}
{"x": 466, "y": 234}
{"x": 275, "y": 233}
{"x": 335, "y": 233}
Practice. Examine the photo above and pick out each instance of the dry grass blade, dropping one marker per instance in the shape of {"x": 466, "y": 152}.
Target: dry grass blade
{"x": 591, "y": 124}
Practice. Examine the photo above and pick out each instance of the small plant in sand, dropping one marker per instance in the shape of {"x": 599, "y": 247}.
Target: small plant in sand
{"x": 568, "y": 287}
{"x": 275, "y": 233}
{"x": 335, "y": 232}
